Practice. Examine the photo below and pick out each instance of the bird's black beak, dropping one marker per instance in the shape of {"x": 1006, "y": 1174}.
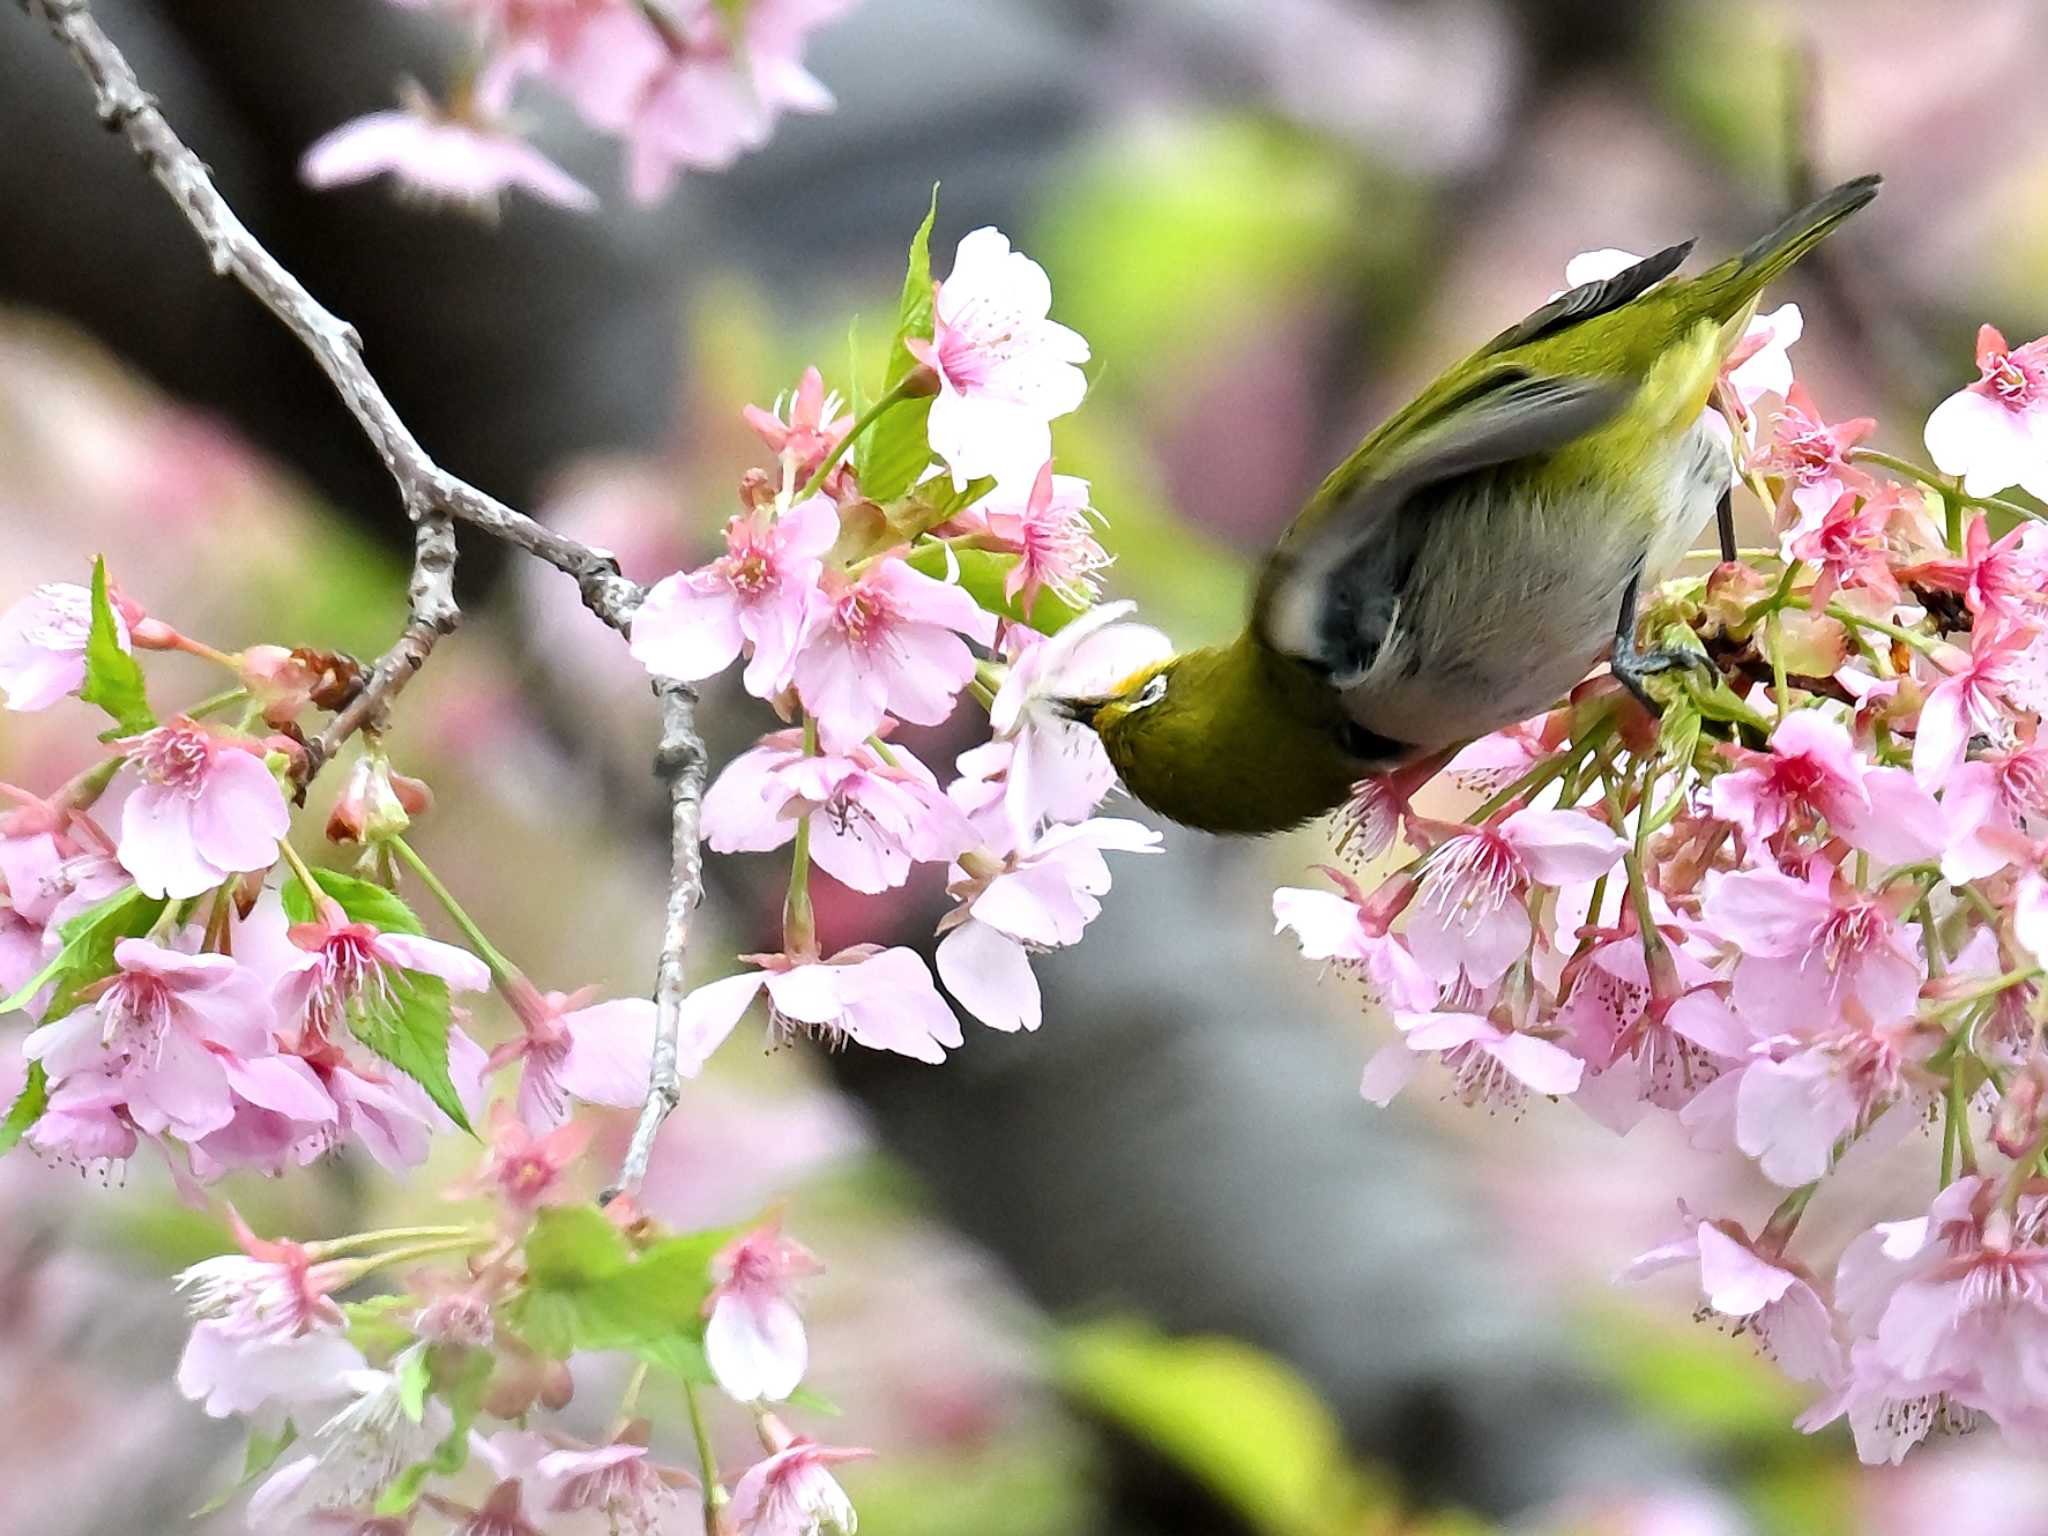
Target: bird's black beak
{"x": 1080, "y": 711}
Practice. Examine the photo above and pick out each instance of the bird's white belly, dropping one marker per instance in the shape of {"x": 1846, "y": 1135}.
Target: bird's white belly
{"x": 1512, "y": 602}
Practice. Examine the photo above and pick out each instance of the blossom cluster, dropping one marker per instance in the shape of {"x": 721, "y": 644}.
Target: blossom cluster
{"x": 681, "y": 84}
{"x": 1804, "y": 913}
{"x": 189, "y": 984}
{"x": 887, "y": 563}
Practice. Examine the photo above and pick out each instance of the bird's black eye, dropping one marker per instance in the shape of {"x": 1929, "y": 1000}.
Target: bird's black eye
{"x": 1153, "y": 691}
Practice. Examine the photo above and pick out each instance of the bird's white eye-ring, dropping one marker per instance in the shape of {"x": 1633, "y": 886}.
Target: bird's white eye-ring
{"x": 1153, "y": 691}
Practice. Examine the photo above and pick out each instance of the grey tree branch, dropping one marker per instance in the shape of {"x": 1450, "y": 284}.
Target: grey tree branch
{"x": 431, "y": 594}
{"x": 434, "y": 499}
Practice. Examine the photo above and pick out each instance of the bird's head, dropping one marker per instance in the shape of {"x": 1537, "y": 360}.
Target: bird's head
{"x": 1207, "y": 739}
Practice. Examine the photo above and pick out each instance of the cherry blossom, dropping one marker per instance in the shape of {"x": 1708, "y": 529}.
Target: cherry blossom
{"x": 1847, "y": 543}
{"x": 791, "y": 1493}
{"x": 207, "y": 808}
{"x": 619, "y": 1481}
{"x": 1050, "y": 528}
{"x": 441, "y": 159}
{"x": 1812, "y": 770}
{"x": 1038, "y": 898}
{"x": 1005, "y": 370}
{"x": 1351, "y": 930}
{"x": 887, "y": 641}
{"x": 525, "y": 1170}
{"x": 1994, "y": 433}
{"x": 759, "y": 596}
{"x": 571, "y": 1046}
{"x": 2005, "y": 670}
{"x": 162, "y": 1030}
{"x": 881, "y": 999}
{"x": 343, "y": 964}
{"x": 1056, "y": 769}
{"x": 1470, "y": 914}
{"x": 1812, "y": 457}
{"x": 871, "y": 817}
{"x": 42, "y": 644}
{"x": 754, "y": 1337}
{"x": 1778, "y": 1304}
{"x": 803, "y": 438}
{"x": 1487, "y": 1060}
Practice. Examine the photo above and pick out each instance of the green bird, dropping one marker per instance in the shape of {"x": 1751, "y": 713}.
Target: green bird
{"x": 1475, "y": 556}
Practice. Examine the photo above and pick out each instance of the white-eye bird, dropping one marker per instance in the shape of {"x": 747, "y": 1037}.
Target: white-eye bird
{"x": 1473, "y": 559}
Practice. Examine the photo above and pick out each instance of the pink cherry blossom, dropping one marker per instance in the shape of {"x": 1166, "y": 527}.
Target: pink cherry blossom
{"x": 1488, "y": 1061}
{"x": 1994, "y": 433}
{"x": 754, "y": 1338}
{"x": 231, "y": 1374}
{"x": 619, "y": 1481}
{"x": 344, "y": 964}
{"x": 1813, "y": 771}
{"x": 1057, "y": 769}
{"x": 1645, "y": 1049}
{"x": 792, "y": 1494}
{"x": 1050, "y": 528}
{"x": 207, "y": 808}
{"x": 526, "y": 1171}
{"x": 759, "y": 596}
{"x": 42, "y": 644}
{"x": 1471, "y": 913}
{"x": 272, "y": 1289}
{"x": 1350, "y": 930}
{"x": 1809, "y": 948}
{"x": 1040, "y": 898}
{"x": 1004, "y": 369}
{"x": 1812, "y": 458}
{"x": 871, "y": 818}
{"x": 573, "y": 1047}
{"x": 1985, "y": 808}
{"x": 1848, "y": 545}
{"x": 1763, "y": 1294}
{"x": 805, "y": 437}
{"x": 886, "y": 642}
{"x": 440, "y": 158}
{"x": 354, "y": 1454}
{"x": 689, "y": 93}
{"x": 2005, "y": 580}
{"x": 2006, "y": 670}
{"x": 884, "y": 1000}
{"x": 163, "y": 1028}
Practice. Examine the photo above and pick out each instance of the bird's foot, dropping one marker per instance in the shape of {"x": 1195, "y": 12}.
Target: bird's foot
{"x": 1634, "y": 668}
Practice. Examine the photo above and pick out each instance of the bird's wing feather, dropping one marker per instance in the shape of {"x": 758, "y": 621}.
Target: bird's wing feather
{"x": 1599, "y": 297}
{"x": 1329, "y": 591}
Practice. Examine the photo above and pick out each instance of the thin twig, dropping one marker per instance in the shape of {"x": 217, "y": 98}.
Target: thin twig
{"x": 435, "y": 500}
{"x": 433, "y": 614}
{"x": 680, "y": 761}
{"x": 126, "y": 108}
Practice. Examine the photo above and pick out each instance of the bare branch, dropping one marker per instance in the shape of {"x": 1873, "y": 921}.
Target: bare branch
{"x": 426, "y": 487}
{"x": 680, "y": 760}
{"x": 434, "y": 614}
{"x": 435, "y": 500}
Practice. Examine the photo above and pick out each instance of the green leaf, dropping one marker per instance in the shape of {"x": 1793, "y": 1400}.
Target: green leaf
{"x": 408, "y": 1027}
{"x": 981, "y": 575}
{"x": 415, "y": 1374}
{"x": 374, "y": 1328}
{"x": 28, "y": 1108}
{"x": 1678, "y": 732}
{"x": 363, "y": 900}
{"x": 88, "y": 952}
{"x": 586, "y": 1289}
{"x": 113, "y": 678}
{"x": 895, "y": 450}
{"x": 457, "y": 1376}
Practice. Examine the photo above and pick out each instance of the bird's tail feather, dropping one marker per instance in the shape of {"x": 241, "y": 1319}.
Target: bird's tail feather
{"x": 1737, "y": 281}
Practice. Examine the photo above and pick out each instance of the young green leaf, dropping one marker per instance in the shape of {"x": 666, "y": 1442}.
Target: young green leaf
{"x": 363, "y": 900}
{"x": 113, "y": 678}
{"x": 457, "y": 1377}
{"x": 27, "y": 1108}
{"x": 408, "y": 1026}
{"x": 586, "y": 1289}
{"x": 895, "y": 450}
{"x": 258, "y": 1458}
{"x": 88, "y": 952}
{"x": 414, "y": 1377}
{"x": 981, "y": 573}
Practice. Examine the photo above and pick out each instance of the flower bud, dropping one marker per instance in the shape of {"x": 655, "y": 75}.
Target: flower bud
{"x": 2016, "y": 1128}
{"x": 376, "y": 803}
{"x": 557, "y": 1386}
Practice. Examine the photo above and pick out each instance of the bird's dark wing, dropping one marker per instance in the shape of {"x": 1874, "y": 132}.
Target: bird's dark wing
{"x": 1330, "y": 590}
{"x": 1589, "y": 299}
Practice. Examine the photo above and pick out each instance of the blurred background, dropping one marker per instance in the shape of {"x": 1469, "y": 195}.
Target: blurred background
{"x": 1156, "y": 1268}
